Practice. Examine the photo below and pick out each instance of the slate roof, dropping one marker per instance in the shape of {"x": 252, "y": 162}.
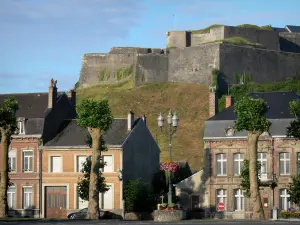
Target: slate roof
{"x": 293, "y": 29}
{"x": 31, "y": 105}
{"x": 71, "y": 134}
{"x": 278, "y": 114}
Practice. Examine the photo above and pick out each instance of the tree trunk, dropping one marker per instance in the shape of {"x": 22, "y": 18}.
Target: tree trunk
{"x": 258, "y": 212}
{"x": 93, "y": 208}
{"x": 4, "y": 175}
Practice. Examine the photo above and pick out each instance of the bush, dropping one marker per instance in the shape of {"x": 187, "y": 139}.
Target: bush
{"x": 287, "y": 215}
{"x": 138, "y": 197}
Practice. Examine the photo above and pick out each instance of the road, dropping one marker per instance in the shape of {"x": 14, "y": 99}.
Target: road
{"x": 116, "y": 222}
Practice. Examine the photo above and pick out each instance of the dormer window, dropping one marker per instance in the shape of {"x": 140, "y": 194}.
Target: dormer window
{"x": 21, "y": 125}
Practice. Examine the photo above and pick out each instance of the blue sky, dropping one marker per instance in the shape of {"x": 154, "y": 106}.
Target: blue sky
{"x": 41, "y": 39}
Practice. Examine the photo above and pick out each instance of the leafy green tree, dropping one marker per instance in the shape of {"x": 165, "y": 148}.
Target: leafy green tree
{"x": 245, "y": 178}
{"x": 8, "y": 125}
{"x": 294, "y": 190}
{"x": 294, "y": 129}
{"x": 250, "y": 117}
{"x": 96, "y": 116}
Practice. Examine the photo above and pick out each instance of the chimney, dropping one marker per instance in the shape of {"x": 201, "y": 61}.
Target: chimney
{"x": 72, "y": 97}
{"x": 52, "y": 94}
{"x": 144, "y": 118}
{"x": 228, "y": 101}
{"x": 130, "y": 120}
{"x": 213, "y": 103}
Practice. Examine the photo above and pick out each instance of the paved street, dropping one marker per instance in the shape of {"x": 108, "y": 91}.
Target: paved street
{"x": 202, "y": 222}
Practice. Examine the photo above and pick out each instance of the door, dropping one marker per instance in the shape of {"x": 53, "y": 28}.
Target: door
{"x": 56, "y": 202}
{"x": 107, "y": 198}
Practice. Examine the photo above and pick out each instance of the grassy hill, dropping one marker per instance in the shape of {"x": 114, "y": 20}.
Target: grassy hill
{"x": 190, "y": 101}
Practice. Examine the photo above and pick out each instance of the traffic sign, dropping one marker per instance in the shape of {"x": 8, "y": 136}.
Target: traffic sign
{"x": 221, "y": 206}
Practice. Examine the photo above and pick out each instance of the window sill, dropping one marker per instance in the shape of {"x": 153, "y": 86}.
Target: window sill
{"x": 222, "y": 175}
{"x": 27, "y": 171}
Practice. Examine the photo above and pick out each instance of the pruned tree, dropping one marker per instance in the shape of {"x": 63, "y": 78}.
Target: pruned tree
{"x": 96, "y": 116}
{"x": 84, "y": 180}
{"x": 245, "y": 178}
{"x": 293, "y": 130}
{"x": 250, "y": 117}
{"x": 294, "y": 190}
{"x": 8, "y": 125}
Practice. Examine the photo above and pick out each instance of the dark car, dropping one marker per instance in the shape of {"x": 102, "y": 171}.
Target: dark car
{"x": 82, "y": 214}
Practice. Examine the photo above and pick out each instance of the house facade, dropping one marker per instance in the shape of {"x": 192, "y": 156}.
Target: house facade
{"x": 226, "y": 149}
{"x": 132, "y": 153}
{"x": 35, "y": 120}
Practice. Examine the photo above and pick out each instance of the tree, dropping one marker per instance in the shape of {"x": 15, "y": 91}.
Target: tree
{"x": 294, "y": 190}
{"x": 96, "y": 116}
{"x": 8, "y": 125}
{"x": 245, "y": 178}
{"x": 250, "y": 117}
{"x": 293, "y": 130}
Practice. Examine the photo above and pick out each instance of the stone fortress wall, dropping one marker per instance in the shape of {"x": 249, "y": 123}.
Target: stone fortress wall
{"x": 190, "y": 58}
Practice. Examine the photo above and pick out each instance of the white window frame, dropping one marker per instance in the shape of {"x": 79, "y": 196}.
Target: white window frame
{"x": 112, "y": 163}
{"x": 240, "y": 162}
{"x": 221, "y": 197}
{"x": 21, "y": 125}
{"x": 240, "y": 199}
{"x": 284, "y": 160}
{"x": 23, "y": 160}
{"x": 12, "y": 154}
{"x": 223, "y": 164}
{"x": 11, "y": 202}
{"x": 285, "y": 204}
{"x": 51, "y": 164}
{"x": 27, "y": 197}
{"x": 261, "y": 159}
{"x": 79, "y": 167}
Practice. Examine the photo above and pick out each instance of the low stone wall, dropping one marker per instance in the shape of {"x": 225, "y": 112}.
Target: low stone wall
{"x": 169, "y": 215}
{"x": 139, "y": 216}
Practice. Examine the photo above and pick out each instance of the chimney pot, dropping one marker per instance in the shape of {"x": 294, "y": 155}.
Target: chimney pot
{"x": 213, "y": 103}
{"x": 144, "y": 118}
{"x": 228, "y": 101}
{"x": 52, "y": 93}
{"x": 72, "y": 97}
{"x": 130, "y": 120}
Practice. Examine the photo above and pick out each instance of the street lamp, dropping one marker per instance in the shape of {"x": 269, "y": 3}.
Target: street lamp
{"x": 172, "y": 121}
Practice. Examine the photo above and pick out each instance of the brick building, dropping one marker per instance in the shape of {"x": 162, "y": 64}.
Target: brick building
{"x": 226, "y": 150}
{"x": 39, "y": 116}
{"x": 132, "y": 154}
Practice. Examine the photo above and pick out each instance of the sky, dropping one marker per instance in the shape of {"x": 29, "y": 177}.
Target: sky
{"x": 44, "y": 39}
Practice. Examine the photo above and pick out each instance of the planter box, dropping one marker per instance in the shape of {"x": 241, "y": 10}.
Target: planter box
{"x": 169, "y": 215}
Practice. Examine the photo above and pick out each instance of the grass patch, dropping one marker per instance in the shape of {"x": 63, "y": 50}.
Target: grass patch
{"x": 240, "y": 41}
{"x": 206, "y": 30}
{"x": 153, "y": 98}
{"x": 252, "y": 26}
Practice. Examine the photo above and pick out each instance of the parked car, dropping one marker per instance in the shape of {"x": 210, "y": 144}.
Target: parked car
{"x": 81, "y": 214}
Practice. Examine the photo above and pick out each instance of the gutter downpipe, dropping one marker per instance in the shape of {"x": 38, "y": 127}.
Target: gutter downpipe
{"x": 40, "y": 182}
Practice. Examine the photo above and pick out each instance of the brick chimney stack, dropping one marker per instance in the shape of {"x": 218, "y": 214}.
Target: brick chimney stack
{"x": 213, "y": 102}
{"x": 130, "y": 120}
{"x": 228, "y": 101}
{"x": 72, "y": 97}
{"x": 52, "y": 94}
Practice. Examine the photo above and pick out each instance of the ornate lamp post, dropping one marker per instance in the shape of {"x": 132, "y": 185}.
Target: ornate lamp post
{"x": 172, "y": 120}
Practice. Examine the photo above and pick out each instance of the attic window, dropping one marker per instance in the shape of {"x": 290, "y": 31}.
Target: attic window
{"x": 21, "y": 126}
{"x": 229, "y": 132}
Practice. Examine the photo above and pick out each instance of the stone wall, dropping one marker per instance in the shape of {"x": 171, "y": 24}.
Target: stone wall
{"x": 178, "y": 39}
{"x": 151, "y": 68}
{"x": 265, "y": 65}
{"x": 268, "y": 39}
{"x": 215, "y": 34}
{"x": 193, "y": 65}
{"x": 290, "y": 42}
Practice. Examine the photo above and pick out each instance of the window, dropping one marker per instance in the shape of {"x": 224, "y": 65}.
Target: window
{"x": 262, "y": 159}
{"x": 298, "y": 163}
{"x": 81, "y": 204}
{"x": 27, "y": 197}
{"x": 12, "y": 160}
{"x": 239, "y": 200}
{"x": 21, "y": 126}
{"x": 222, "y": 197}
{"x": 238, "y": 163}
{"x": 11, "y": 197}
{"x": 284, "y": 163}
{"x": 221, "y": 164}
{"x": 56, "y": 165}
{"x": 284, "y": 199}
{"x": 27, "y": 160}
{"x": 79, "y": 161}
{"x": 108, "y": 159}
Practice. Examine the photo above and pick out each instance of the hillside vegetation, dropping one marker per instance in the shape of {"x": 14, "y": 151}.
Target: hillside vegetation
{"x": 190, "y": 101}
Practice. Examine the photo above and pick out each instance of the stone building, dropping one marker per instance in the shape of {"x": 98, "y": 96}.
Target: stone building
{"x": 39, "y": 115}
{"x": 132, "y": 154}
{"x": 228, "y": 148}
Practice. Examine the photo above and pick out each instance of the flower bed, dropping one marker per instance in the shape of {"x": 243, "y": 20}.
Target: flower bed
{"x": 165, "y": 206}
{"x": 288, "y": 215}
